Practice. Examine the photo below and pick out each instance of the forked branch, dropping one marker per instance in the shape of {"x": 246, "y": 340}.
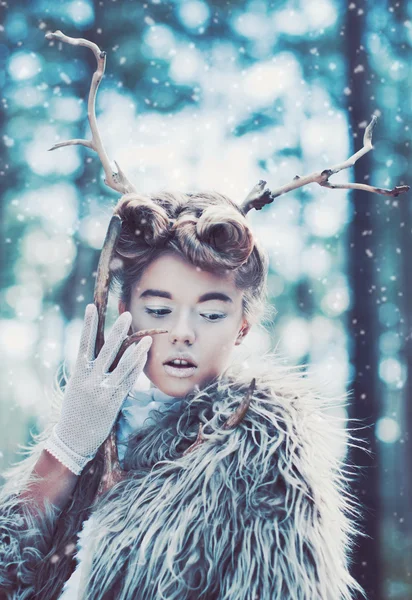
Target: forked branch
{"x": 260, "y": 195}
{"x": 112, "y": 472}
{"x": 115, "y": 180}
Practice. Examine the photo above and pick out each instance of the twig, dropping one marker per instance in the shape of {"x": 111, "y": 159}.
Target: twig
{"x": 260, "y": 195}
{"x": 238, "y": 416}
{"x": 112, "y": 471}
{"x": 232, "y": 422}
{"x": 115, "y": 180}
{"x": 102, "y": 287}
{"x": 134, "y": 337}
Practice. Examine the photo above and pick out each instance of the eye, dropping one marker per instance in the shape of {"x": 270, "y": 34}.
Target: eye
{"x": 157, "y": 312}
{"x": 214, "y": 316}
{"x": 161, "y": 312}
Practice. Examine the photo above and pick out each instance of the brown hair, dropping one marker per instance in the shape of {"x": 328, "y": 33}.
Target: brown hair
{"x": 206, "y": 228}
{"x": 209, "y": 230}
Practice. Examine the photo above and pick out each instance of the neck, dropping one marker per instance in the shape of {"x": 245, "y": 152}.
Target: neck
{"x": 154, "y": 387}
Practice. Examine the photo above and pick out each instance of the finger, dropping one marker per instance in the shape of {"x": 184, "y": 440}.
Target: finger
{"x": 88, "y": 335}
{"x": 114, "y": 340}
{"x": 133, "y": 361}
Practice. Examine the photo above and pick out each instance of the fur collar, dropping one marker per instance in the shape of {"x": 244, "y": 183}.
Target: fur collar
{"x": 261, "y": 511}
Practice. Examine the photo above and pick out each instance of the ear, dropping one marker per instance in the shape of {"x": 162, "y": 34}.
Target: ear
{"x": 242, "y": 332}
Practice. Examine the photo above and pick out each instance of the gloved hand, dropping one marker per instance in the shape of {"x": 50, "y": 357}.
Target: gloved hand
{"x": 93, "y": 396}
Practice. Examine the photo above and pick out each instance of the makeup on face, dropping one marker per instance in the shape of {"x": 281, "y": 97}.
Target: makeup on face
{"x": 202, "y": 312}
{"x": 179, "y": 371}
{"x": 180, "y": 364}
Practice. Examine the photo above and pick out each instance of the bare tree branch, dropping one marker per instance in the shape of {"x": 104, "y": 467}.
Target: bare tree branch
{"x": 239, "y": 415}
{"x": 260, "y": 195}
{"x": 102, "y": 284}
{"x": 115, "y": 180}
{"x": 112, "y": 471}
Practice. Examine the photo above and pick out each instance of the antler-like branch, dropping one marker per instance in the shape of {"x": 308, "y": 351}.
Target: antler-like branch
{"x": 102, "y": 287}
{"x": 260, "y": 195}
{"x": 112, "y": 472}
{"x": 239, "y": 415}
{"x": 232, "y": 421}
{"x": 115, "y": 180}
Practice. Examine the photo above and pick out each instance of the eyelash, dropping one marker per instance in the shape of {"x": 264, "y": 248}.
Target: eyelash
{"x": 156, "y": 314}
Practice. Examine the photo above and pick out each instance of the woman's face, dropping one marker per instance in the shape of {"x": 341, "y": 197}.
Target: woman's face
{"x": 202, "y": 312}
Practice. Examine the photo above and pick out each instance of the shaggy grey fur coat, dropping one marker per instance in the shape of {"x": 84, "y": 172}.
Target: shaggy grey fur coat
{"x": 262, "y": 511}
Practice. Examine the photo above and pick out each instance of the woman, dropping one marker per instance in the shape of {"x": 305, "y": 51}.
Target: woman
{"x": 257, "y": 510}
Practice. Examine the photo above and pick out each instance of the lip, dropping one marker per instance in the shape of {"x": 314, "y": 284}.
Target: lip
{"x": 186, "y": 357}
{"x": 179, "y": 372}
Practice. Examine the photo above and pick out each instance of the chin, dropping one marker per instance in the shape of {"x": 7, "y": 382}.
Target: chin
{"x": 176, "y": 387}
{"x": 173, "y": 386}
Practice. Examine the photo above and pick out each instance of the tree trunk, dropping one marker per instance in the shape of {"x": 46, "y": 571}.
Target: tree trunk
{"x": 363, "y": 326}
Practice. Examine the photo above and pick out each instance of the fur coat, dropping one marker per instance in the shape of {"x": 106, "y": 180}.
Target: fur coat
{"x": 262, "y": 511}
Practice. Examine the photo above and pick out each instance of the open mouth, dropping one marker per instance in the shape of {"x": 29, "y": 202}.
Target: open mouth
{"x": 180, "y": 364}
{"x": 179, "y": 368}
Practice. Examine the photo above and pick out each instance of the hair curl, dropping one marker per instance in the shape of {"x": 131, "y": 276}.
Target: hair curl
{"x": 209, "y": 230}
{"x": 206, "y": 228}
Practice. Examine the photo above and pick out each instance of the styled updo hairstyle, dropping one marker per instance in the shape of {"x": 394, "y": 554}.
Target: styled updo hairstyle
{"x": 210, "y": 231}
{"x": 206, "y": 228}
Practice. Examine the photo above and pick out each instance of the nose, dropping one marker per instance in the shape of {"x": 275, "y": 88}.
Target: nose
{"x": 182, "y": 330}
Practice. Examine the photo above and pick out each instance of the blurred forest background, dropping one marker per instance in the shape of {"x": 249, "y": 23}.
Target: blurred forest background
{"x": 218, "y": 95}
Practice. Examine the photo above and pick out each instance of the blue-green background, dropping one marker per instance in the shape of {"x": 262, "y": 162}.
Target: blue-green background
{"x": 217, "y": 95}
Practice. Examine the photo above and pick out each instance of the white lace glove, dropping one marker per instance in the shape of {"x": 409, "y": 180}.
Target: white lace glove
{"x": 93, "y": 396}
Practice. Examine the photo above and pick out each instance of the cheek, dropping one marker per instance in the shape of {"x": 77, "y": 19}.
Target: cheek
{"x": 217, "y": 344}
{"x": 226, "y": 334}
{"x": 153, "y": 362}
{"x": 136, "y": 318}
{"x": 141, "y": 320}
{"x": 156, "y": 353}
{"x": 220, "y": 349}
{"x": 158, "y": 349}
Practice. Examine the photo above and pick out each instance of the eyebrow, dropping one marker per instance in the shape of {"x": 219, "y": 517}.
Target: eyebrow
{"x": 203, "y": 298}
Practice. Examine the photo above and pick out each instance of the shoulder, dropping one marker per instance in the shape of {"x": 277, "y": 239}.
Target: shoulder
{"x": 284, "y": 397}
{"x": 291, "y": 421}
{"x": 271, "y": 484}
